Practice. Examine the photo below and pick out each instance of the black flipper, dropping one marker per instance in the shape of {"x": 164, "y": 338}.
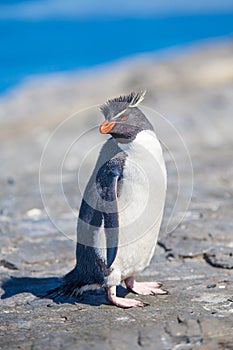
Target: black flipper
{"x": 108, "y": 185}
{"x": 90, "y": 269}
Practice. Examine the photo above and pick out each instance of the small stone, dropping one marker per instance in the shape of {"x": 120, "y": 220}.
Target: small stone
{"x": 212, "y": 285}
{"x": 170, "y": 256}
{"x": 34, "y": 213}
{"x": 10, "y": 181}
{"x": 180, "y": 319}
{"x": 8, "y": 265}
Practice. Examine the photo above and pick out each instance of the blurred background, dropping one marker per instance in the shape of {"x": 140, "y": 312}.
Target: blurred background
{"x": 48, "y": 36}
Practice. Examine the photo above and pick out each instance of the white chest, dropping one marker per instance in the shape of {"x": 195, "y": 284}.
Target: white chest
{"x": 144, "y": 181}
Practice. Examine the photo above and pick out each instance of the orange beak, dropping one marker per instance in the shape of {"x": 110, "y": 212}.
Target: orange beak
{"x": 105, "y": 127}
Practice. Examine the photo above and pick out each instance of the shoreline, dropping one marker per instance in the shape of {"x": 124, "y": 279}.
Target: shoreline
{"x": 37, "y": 47}
{"x": 159, "y": 55}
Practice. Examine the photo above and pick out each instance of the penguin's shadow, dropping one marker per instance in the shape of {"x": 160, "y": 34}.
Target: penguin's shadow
{"x": 39, "y": 286}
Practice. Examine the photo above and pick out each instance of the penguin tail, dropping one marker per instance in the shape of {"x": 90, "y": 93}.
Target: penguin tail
{"x": 71, "y": 286}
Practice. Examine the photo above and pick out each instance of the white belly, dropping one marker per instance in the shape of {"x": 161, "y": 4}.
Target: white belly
{"x": 140, "y": 206}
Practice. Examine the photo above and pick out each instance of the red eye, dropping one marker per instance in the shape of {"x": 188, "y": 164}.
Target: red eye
{"x": 124, "y": 117}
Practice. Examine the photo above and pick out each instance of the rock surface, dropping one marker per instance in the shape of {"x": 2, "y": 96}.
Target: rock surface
{"x": 193, "y": 89}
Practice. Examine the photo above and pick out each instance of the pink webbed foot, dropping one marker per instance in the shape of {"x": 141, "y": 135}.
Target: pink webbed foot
{"x": 124, "y": 303}
{"x": 144, "y": 288}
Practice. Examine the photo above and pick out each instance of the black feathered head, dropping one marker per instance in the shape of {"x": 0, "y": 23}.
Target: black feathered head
{"x": 123, "y": 120}
{"x": 116, "y": 106}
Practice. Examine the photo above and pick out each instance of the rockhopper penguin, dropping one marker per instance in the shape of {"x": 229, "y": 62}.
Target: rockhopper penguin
{"x": 122, "y": 207}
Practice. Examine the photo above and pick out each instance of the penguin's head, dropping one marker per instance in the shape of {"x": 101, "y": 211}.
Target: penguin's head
{"x": 123, "y": 120}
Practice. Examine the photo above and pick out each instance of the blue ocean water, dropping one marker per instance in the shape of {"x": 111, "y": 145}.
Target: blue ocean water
{"x": 56, "y": 45}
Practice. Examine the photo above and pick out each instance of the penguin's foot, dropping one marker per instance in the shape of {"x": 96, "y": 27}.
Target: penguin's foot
{"x": 122, "y": 302}
{"x": 144, "y": 288}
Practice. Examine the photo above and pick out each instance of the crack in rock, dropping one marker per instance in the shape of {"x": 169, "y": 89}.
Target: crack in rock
{"x": 221, "y": 258}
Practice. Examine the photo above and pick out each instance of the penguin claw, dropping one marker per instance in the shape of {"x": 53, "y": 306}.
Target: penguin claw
{"x": 124, "y": 303}
{"x": 159, "y": 291}
{"x": 127, "y": 303}
{"x": 145, "y": 304}
{"x": 145, "y": 288}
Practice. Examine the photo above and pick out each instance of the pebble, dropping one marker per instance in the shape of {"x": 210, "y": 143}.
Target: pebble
{"x": 34, "y": 213}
